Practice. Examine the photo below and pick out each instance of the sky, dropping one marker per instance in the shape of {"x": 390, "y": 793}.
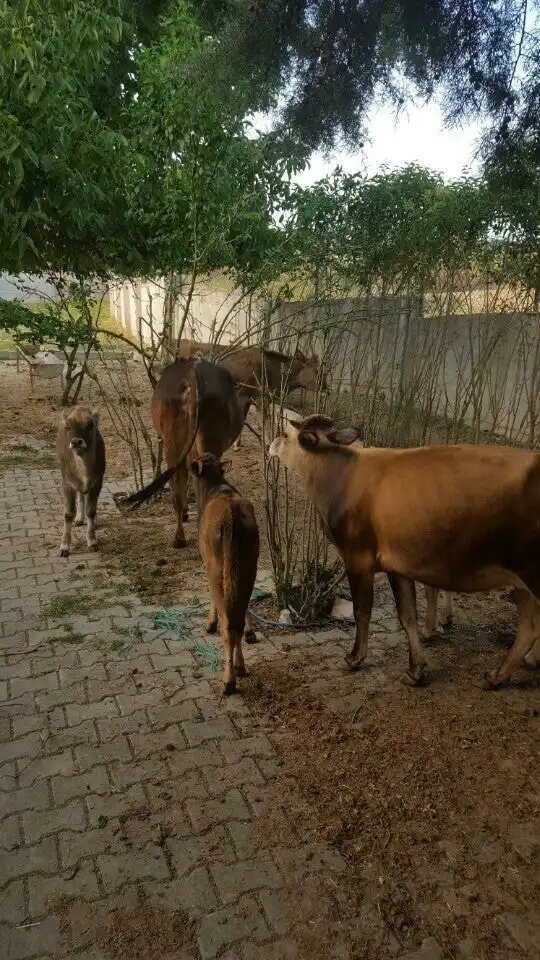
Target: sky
{"x": 416, "y": 136}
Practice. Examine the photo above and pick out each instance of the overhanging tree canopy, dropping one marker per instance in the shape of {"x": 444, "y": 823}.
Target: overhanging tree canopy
{"x": 323, "y": 61}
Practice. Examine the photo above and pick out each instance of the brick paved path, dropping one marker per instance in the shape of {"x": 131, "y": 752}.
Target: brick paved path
{"x": 122, "y": 773}
{"x": 129, "y": 790}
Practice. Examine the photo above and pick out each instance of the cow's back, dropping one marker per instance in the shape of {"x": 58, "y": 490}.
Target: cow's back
{"x": 219, "y": 412}
{"x": 229, "y": 543}
{"x": 244, "y": 366}
{"x": 450, "y": 508}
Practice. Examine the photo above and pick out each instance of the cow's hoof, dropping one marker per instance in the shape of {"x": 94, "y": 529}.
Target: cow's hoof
{"x": 211, "y": 626}
{"x": 79, "y": 523}
{"x": 185, "y": 514}
{"x": 490, "y": 681}
{"x": 447, "y": 622}
{"x": 415, "y": 678}
{"x": 432, "y": 634}
{"x": 64, "y": 551}
{"x": 179, "y": 543}
{"x": 353, "y": 663}
{"x": 531, "y": 662}
{"x": 241, "y": 672}
{"x": 229, "y": 687}
{"x": 250, "y": 637}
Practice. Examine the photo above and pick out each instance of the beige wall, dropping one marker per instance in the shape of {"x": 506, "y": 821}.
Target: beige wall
{"x": 211, "y": 316}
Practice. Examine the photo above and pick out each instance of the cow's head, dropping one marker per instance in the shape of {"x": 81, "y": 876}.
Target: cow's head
{"x": 306, "y": 372}
{"x": 209, "y": 467}
{"x": 314, "y": 435}
{"x": 80, "y": 425}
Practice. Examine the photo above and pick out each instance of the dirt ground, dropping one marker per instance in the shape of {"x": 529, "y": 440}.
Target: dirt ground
{"x": 431, "y": 795}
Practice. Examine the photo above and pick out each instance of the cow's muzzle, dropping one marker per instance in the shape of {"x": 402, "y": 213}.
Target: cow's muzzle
{"x": 78, "y": 444}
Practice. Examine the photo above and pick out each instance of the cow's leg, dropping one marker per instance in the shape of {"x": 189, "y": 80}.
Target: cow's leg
{"x": 249, "y": 632}
{"x": 431, "y": 622}
{"x": 230, "y": 639}
{"x": 212, "y": 622}
{"x": 532, "y": 659}
{"x": 405, "y": 597}
{"x": 447, "y": 612}
{"x": 91, "y": 508}
{"x": 69, "y": 513}
{"x": 239, "y": 664}
{"x": 185, "y": 511}
{"x": 361, "y": 585}
{"x": 81, "y": 509}
{"x": 178, "y": 484}
{"x": 527, "y": 633}
{"x": 245, "y": 411}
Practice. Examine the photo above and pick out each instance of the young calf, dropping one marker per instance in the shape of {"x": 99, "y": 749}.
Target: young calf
{"x": 432, "y": 624}
{"x": 229, "y": 545}
{"x": 81, "y": 452}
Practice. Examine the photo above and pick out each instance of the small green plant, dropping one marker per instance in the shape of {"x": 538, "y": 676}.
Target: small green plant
{"x": 314, "y": 591}
{"x": 66, "y": 605}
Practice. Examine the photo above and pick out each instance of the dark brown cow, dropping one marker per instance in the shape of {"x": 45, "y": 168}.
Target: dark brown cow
{"x": 457, "y": 518}
{"x": 229, "y": 545}
{"x": 195, "y": 410}
{"x": 81, "y": 452}
{"x": 251, "y": 367}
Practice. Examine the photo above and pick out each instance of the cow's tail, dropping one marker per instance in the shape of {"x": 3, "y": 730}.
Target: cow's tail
{"x": 141, "y": 496}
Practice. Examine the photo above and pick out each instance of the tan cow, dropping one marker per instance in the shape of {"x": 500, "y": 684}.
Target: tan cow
{"x": 458, "y": 518}
{"x": 195, "y": 410}
{"x": 252, "y": 367}
{"x": 81, "y": 453}
{"x": 229, "y": 545}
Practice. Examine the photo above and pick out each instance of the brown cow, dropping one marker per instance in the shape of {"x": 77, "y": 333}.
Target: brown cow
{"x": 190, "y": 349}
{"x": 195, "y": 410}
{"x": 81, "y": 452}
{"x": 458, "y": 518}
{"x": 229, "y": 545}
{"x": 250, "y": 367}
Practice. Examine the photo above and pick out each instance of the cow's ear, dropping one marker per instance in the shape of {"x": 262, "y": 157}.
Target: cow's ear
{"x": 95, "y": 418}
{"x": 308, "y": 439}
{"x": 196, "y": 468}
{"x": 224, "y": 465}
{"x": 346, "y": 436}
{"x": 299, "y": 355}
{"x": 295, "y": 423}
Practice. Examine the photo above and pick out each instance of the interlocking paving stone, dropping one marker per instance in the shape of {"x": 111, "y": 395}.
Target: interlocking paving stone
{"x": 125, "y": 772}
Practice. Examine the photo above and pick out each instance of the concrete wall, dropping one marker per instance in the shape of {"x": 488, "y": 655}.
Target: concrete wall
{"x": 458, "y": 370}
{"x": 476, "y": 369}
{"x": 212, "y": 315}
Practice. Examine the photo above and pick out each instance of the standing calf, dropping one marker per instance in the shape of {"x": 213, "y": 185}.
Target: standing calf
{"x": 229, "y": 545}
{"x": 432, "y": 624}
{"x": 81, "y": 452}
